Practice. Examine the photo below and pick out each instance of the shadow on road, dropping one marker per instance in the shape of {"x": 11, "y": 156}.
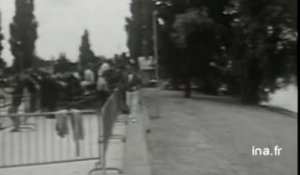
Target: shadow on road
{"x": 282, "y": 111}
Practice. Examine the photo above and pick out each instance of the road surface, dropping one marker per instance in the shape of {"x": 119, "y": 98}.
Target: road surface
{"x": 209, "y": 135}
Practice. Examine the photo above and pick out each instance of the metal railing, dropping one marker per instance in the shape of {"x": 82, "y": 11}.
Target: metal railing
{"x": 42, "y": 139}
{"x": 109, "y": 113}
{"x": 58, "y": 137}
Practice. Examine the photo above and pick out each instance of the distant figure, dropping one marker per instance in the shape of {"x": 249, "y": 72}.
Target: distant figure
{"x": 33, "y": 88}
{"x": 49, "y": 93}
{"x": 122, "y": 85}
{"x": 133, "y": 83}
{"x": 17, "y": 95}
{"x": 133, "y": 80}
{"x": 101, "y": 82}
{"x": 73, "y": 86}
{"x": 88, "y": 80}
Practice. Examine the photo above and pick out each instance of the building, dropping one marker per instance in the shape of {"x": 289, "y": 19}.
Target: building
{"x": 147, "y": 70}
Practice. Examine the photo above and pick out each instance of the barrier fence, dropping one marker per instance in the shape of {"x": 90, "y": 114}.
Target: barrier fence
{"x": 109, "y": 112}
{"x": 57, "y": 137}
{"x": 43, "y": 140}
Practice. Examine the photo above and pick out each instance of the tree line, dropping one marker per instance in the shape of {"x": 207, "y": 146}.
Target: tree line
{"x": 23, "y": 35}
{"x": 248, "y": 45}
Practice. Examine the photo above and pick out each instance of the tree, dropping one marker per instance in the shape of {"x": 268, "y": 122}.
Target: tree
{"x": 86, "y": 55}
{"x": 194, "y": 33}
{"x": 264, "y": 47}
{"x": 139, "y": 29}
{"x": 1, "y": 37}
{"x": 251, "y": 46}
{"x": 177, "y": 16}
{"x": 2, "y": 62}
{"x": 23, "y": 31}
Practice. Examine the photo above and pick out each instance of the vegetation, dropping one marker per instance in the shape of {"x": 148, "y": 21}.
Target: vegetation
{"x": 63, "y": 64}
{"x": 86, "y": 55}
{"x": 249, "y": 46}
{"x": 23, "y": 31}
{"x": 139, "y": 29}
{"x": 2, "y": 62}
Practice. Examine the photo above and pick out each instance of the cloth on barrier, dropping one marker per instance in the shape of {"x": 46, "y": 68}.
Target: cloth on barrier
{"x": 62, "y": 123}
{"x": 77, "y": 125}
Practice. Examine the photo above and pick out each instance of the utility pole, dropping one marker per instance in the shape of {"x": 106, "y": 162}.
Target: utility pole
{"x": 156, "y": 58}
{"x": 155, "y": 45}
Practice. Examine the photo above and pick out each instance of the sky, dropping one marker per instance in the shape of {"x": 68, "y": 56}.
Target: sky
{"x": 62, "y": 23}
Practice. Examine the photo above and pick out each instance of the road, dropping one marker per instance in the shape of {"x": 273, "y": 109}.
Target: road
{"x": 209, "y": 135}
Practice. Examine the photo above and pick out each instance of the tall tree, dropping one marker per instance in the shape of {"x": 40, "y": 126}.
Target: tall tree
{"x": 23, "y": 31}
{"x": 139, "y": 29}
{"x": 249, "y": 45}
{"x": 1, "y": 36}
{"x": 2, "y": 62}
{"x": 194, "y": 33}
{"x": 198, "y": 45}
{"x": 86, "y": 55}
{"x": 264, "y": 47}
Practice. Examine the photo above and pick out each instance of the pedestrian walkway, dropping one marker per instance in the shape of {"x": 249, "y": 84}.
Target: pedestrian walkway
{"x": 136, "y": 160}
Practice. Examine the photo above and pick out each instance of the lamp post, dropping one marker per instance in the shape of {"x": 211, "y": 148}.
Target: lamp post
{"x": 156, "y": 58}
{"x": 155, "y": 45}
{"x": 155, "y": 21}
{"x": 155, "y": 49}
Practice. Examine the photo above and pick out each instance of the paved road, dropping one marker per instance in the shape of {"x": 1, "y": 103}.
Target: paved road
{"x": 214, "y": 136}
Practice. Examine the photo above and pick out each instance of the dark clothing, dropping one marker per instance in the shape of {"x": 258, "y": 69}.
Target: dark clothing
{"x": 111, "y": 77}
{"x": 17, "y": 94}
{"x": 32, "y": 85}
{"x": 62, "y": 124}
{"x": 122, "y": 84}
{"x": 133, "y": 83}
{"x": 49, "y": 94}
{"x": 73, "y": 87}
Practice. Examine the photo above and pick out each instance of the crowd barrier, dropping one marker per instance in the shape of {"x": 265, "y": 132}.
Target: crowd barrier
{"x": 58, "y": 137}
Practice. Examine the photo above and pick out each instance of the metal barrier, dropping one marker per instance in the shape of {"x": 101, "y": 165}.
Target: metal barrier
{"x": 6, "y": 102}
{"x": 43, "y": 139}
{"x": 109, "y": 112}
{"x": 70, "y": 136}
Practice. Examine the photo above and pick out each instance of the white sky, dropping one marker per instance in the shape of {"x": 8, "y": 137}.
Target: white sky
{"x": 62, "y": 23}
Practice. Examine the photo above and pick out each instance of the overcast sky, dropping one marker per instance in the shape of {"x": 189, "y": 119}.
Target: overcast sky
{"x": 62, "y": 23}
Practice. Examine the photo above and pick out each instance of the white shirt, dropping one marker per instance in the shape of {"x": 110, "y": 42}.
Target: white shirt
{"x": 89, "y": 76}
{"x": 130, "y": 77}
{"x": 104, "y": 67}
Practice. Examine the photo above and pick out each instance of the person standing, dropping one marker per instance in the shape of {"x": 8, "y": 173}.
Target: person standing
{"x": 33, "y": 88}
{"x": 122, "y": 84}
{"x": 101, "y": 82}
{"x": 49, "y": 94}
{"x": 132, "y": 86}
{"x": 17, "y": 95}
{"x": 89, "y": 79}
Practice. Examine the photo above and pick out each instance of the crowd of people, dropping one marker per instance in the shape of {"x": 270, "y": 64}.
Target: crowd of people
{"x": 46, "y": 92}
